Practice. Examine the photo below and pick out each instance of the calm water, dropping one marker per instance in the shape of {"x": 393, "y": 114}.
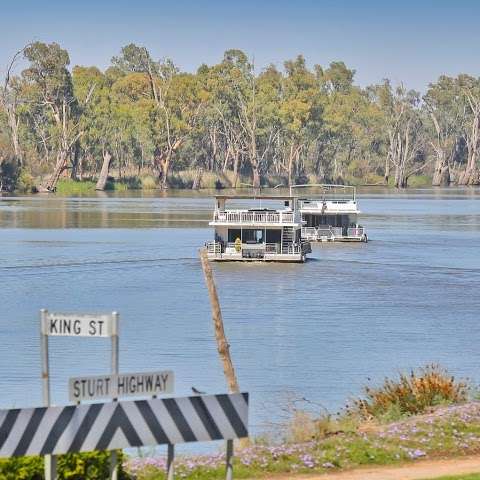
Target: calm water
{"x": 318, "y": 330}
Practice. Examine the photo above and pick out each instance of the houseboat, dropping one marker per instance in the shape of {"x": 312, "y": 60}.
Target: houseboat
{"x": 331, "y": 214}
{"x": 262, "y": 233}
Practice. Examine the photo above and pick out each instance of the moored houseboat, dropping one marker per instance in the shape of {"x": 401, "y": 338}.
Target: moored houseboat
{"x": 270, "y": 234}
{"x": 331, "y": 214}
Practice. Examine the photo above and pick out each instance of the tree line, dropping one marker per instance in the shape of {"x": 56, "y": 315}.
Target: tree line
{"x": 284, "y": 126}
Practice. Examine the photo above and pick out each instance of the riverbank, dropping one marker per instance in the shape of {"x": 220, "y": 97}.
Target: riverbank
{"x": 451, "y": 432}
{"x": 186, "y": 180}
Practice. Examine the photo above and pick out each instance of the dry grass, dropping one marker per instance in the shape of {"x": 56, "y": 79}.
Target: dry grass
{"x": 410, "y": 394}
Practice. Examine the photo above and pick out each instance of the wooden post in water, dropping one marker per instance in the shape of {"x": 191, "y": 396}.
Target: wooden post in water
{"x": 222, "y": 346}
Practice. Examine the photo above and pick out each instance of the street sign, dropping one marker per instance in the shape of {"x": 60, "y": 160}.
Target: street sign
{"x": 79, "y": 325}
{"x": 117, "y": 425}
{"x": 121, "y": 385}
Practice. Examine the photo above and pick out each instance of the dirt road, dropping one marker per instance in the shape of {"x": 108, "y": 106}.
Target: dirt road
{"x": 413, "y": 471}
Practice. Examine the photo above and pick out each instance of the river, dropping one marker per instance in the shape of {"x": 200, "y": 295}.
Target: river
{"x": 315, "y": 330}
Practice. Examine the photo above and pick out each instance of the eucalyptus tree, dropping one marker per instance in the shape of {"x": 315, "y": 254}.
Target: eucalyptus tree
{"x": 171, "y": 105}
{"x": 10, "y": 100}
{"x": 446, "y": 113}
{"x": 470, "y": 92}
{"x": 99, "y": 121}
{"x": 51, "y": 92}
{"x": 300, "y": 112}
{"x": 404, "y": 131}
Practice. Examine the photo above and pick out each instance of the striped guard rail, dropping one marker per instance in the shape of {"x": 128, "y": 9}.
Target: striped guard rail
{"x": 117, "y": 425}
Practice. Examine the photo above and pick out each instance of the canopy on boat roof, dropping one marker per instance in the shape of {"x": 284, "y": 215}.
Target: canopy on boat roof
{"x": 255, "y": 197}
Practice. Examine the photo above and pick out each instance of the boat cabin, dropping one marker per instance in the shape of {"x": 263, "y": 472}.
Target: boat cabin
{"x": 331, "y": 214}
{"x": 268, "y": 231}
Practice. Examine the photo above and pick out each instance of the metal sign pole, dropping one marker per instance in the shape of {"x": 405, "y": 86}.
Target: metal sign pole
{"x": 170, "y": 462}
{"x": 50, "y": 461}
{"x": 115, "y": 371}
{"x": 229, "y": 460}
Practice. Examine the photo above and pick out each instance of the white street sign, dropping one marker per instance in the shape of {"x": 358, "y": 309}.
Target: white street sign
{"x": 79, "y": 325}
{"x": 121, "y": 385}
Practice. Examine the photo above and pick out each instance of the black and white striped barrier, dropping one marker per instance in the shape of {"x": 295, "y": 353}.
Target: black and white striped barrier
{"x": 110, "y": 426}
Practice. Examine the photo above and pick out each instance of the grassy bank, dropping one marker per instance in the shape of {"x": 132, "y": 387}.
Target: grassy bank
{"x": 185, "y": 180}
{"x": 448, "y": 431}
{"x": 419, "y": 415}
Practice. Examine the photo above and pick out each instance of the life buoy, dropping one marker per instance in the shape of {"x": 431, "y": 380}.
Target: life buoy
{"x": 238, "y": 245}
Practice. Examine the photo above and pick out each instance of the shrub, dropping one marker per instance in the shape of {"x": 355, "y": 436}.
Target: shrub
{"x": 75, "y": 187}
{"x": 79, "y": 466}
{"x": 25, "y": 182}
{"x": 126, "y": 183}
{"x": 9, "y": 174}
{"x": 411, "y": 394}
{"x": 148, "y": 183}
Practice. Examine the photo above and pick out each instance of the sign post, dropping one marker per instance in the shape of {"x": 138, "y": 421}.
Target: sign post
{"x": 50, "y": 461}
{"x": 75, "y": 325}
{"x": 115, "y": 369}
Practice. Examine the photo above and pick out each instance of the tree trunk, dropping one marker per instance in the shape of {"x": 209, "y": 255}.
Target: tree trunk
{"x": 198, "y": 179}
{"x": 471, "y": 174}
{"x": 236, "y": 159}
{"x": 290, "y": 165}
{"x": 441, "y": 175}
{"x": 256, "y": 176}
{"x": 13, "y": 124}
{"x": 75, "y": 162}
{"x": 164, "y": 167}
{"x": 60, "y": 166}
{"x": 102, "y": 179}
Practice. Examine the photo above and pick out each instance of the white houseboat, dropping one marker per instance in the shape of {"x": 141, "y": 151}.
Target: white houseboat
{"x": 331, "y": 214}
{"x": 257, "y": 234}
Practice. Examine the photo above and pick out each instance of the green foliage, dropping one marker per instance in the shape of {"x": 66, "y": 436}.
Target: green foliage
{"x": 73, "y": 187}
{"x": 234, "y": 124}
{"x": 83, "y": 466}
{"x": 25, "y": 182}
{"x": 148, "y": 182}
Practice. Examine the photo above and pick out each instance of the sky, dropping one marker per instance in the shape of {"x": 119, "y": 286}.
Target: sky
{"x": 404, "y": 40}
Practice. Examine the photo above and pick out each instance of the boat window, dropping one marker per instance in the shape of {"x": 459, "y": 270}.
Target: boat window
{"x": 274, "y": 236}
{"x": 252, "y": 236}
{"x": 233, "y": 234}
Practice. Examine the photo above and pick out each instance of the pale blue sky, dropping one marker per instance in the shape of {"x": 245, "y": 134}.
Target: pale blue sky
{"x": 404, "y": 40}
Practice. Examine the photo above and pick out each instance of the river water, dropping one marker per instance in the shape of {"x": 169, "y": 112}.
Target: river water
{"x": 316, "y": 330}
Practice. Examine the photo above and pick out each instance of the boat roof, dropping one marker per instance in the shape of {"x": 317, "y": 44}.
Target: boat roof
{"x": 322, "y": 185}
{"x": 255, "y": 197}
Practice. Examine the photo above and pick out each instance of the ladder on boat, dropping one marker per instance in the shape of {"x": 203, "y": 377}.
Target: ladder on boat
{"x": 287, "y": 240}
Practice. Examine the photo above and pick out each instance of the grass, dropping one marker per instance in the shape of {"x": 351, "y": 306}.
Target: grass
{"x": 432, "y": 423}
{"x": 473, "y": 476}
{"x": 449, "y": 431}
{"x": 72, "y": 187}
{"x": 184, "y": 179}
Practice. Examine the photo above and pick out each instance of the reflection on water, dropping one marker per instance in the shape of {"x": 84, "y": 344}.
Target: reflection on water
{"x": 408, "y": 297}
{"x": 193, "y": 209}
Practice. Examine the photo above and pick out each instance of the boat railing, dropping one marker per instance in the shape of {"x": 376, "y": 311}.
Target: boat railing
{"x": 239, "y": 216}
{"x": 214, "y": 248}
{"x": 355, "y": 232}
{"x": 272, "y": 247}
{"x": 312, "y": 233}
{"x": 292, "y": 248}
